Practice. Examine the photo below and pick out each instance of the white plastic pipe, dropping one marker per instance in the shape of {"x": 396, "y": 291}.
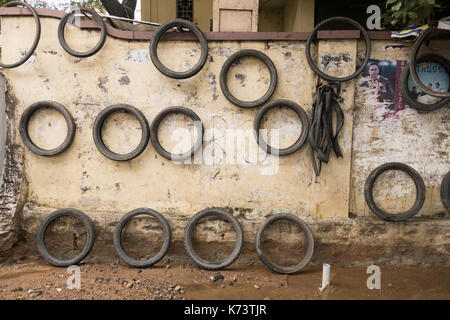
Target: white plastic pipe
{"x": 325, "y": 276}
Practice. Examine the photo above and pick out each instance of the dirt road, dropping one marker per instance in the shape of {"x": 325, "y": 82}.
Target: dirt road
{"x": 30, "y": 277}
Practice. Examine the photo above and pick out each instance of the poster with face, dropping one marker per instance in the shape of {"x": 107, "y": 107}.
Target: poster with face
{"x": 379, "y": 85}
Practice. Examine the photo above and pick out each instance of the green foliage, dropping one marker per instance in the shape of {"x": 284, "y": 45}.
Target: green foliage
{"x": 401, "y": 13}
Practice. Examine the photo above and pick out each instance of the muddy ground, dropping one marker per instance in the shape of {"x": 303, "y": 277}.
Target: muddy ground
{"x": 24, "y": 275}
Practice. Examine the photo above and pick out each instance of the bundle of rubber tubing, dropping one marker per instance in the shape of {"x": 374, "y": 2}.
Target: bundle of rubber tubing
{"x": 321, "y": 137}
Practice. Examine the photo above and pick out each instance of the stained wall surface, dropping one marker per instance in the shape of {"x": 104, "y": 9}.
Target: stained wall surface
{"x": 226, "y": 173}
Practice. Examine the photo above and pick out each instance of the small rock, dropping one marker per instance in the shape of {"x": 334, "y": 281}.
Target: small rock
{"x": 234, "y": 279}
{"x": 177, "y": 288}
{"x": 390, "y": 285}
{"x": 217, "y": 277}
{"x": 256, "y": 286}
{"x": 222, "y": 286}
{"x": 168, "y": 266}
{"x": 181, "y": 291}
{"x": 231, "y": 283}
{"x": 129, "y": 285}
{"x": 35, "y": 294}
{"x": 58, "y": 289}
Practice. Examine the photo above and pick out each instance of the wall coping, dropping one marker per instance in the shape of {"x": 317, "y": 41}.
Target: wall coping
{"x": 212, "y": 36}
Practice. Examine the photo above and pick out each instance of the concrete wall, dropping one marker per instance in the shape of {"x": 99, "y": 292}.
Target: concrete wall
{"x": 2, "y": 123}
{"x": 122, "y": 72}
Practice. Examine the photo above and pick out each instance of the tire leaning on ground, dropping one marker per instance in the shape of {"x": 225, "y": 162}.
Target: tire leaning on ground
{"x": 157, "y": 144}
{"x": 303, "y": 118}
{"x": 221, "y": 214}
{"x": 309, "y": 248}
{"x": 233, "y": 59}
{"x": 37, "y": 36}
{"x": 167, "y": 235}
{"x": 420, "y": 192}
{"x": 97, "y": 132}
{"x": 180, "y": 23}
{"x": 445, "y": 192}
{"x": 314, "y": 34}
{"x": 89, "y": 226}
{"x": 413, "y": 62}
{"x": 406, "y": 94}
{"x": 23, "y": 128}
{"x": 98, "y": 46}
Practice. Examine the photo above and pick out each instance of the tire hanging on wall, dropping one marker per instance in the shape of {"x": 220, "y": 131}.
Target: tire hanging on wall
{"x": 89, "y": 226}
{"x": 154, "y": 133}
{"x": 100, "y": 43}
{"x": 309, "y": 247}
{"x": 37, "y": 35}
{"x": 413, "y": 62}
{"x": 313, "y": 35}
{"x": 97, "y": 132}
{"x": 232, "y": 60}
{"x": 23, "y": 128}
{"x": 420, "y": 190}
{"x": 303, "y": 118}
{"x": 178, "y": 23}
{"x": 445, "y": 192}
{"x": 221, "y": 214}
{"x": 406, "y": 94}
{"x": 167, "y": 235}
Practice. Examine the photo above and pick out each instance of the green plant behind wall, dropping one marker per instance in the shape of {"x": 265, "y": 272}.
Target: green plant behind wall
{"x": 401, "y": 13}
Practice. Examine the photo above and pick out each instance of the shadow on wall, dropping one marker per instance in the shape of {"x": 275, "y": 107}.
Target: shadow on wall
{"x": 2, "y": 124}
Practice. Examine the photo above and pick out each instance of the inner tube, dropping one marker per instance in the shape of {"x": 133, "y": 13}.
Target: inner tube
{"x": 118, "y": 238}
{"x": 89, "y": 226}
{"x": 23, "y": 128}
{"x": 179, "y": 23}
{"x": 220, "y": 214}
{"x": 303, "y": 118}
{"x": 409, "y": 96}
{"x": 235, "y": 57}
{"x": 309, "y": 244}
{"x": 420, "y": 190}
{"x": 37, "y": 35}
{"x": 157, "y": 144}
{"x": 100, "y": 43}
{"x": 97, "y": 132}
{"x": 312, "y": 37}
{"x": 413, "y": 62}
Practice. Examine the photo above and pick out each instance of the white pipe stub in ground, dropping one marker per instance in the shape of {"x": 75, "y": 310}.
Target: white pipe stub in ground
{"x": 325, "y": 276}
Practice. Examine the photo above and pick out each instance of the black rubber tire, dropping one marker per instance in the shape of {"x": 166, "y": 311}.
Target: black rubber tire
{"x": 87, "y": 222}
{"x": 97, "y": 132}
{"x": 313, "y": 35}
{"x": 221, "y": 214}
{"x": 309, "y": 250}
{"x": 118, "y": 238}
{"x": 273, "y": 78}
{"x": 420, "y": 189}
{"x": 99, "y": 44}
{"x": 23, "y": 128}
{"x": 413, "y": 62}
{"x": 180, "y": 23}
{"x": 37, "y": 36}
{"x": 445, "y": 192}
{"x": 154, "y": 133}
{"x": 403, "y": 83}
{"x": 300, "y": 141}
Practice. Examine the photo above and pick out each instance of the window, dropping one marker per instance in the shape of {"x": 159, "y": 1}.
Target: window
{"x": 185, "y": 9}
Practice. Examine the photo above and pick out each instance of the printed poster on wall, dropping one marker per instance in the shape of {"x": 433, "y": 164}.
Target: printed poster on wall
{"x": 379, "y": 83}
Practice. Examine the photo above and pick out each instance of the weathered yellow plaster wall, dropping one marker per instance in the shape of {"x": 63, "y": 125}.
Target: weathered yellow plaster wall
{"x": 122, "y": 72}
